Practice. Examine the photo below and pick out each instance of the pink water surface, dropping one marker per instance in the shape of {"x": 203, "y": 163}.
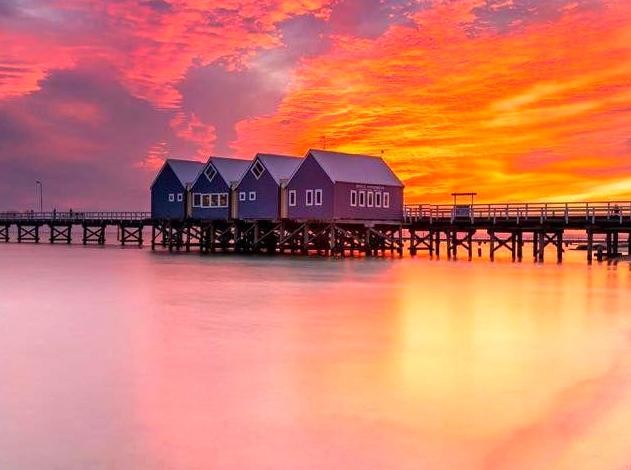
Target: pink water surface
{"x": 125, "y": 359}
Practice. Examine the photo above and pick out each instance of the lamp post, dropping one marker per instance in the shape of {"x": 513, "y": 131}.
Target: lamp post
{"x": 41, "y": 196}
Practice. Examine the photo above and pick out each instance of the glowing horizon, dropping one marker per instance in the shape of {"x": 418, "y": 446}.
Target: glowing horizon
{"x": 519, "y": 100}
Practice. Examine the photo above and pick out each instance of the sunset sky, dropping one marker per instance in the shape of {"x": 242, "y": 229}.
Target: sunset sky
{"x": 515, "y": 99}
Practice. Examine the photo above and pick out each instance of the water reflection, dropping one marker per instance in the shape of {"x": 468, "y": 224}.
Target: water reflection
{"x": 127, "y": 359}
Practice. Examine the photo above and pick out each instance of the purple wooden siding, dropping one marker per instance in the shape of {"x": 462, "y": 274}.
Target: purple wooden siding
{"x": 344, "y": 210}
{"x": 310, "y": 177}
{"x": 266, "y": 205}
{"x": 167, "y": 183}
{"x": 203, "y": 186}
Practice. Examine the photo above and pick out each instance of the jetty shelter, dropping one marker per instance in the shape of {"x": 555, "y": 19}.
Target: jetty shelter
{"x": 333, "y": 186}
{"x": 259, "y": 191}
{"x": 170, "y": 190}
{"x": 214, "y": 195}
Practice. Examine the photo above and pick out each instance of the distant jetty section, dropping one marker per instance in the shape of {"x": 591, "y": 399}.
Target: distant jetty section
{"x": 327, "y": 203}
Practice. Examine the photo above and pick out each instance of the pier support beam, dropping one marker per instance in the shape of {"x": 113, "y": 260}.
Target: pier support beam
{"x": 60, "y": 233}
{"x": 131, "y": 234}
{"x": 93, "y": 234}
{"x": 4, "y": 233}
{"x": 28, "y": 233}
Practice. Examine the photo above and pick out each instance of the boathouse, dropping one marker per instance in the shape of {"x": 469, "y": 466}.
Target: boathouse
{"x": 259, "y": 191}
{"x": 170, "y": 190}
{"x": 338, "y": 186}
{"x": 214, "y": 190}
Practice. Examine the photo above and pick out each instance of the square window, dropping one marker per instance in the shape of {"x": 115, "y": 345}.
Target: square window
{"x": 214, "y": 200}
{"x": 386, "y": 200}
{"x": 362, "y": 198}
{"x": 180, "y": 197}
{"x": 378, "y": 199}
{"x": 171, "y": 197}
{"x": 252, "y": 196}
{"x": 370, "y": 197}
{"x": 353, "y": 198}
{"x": 223, "y": 200}
{"x": 292, "y": 197}
{"x": 309, "y": 197}
{"x": 318, "y": 197}
{"x": 210, "y": 172}
{"x": 205, "y": 200}
{"x": 242, "y": 196}
{"x": 197, "y": 200}
{"x": 258, "y": 169}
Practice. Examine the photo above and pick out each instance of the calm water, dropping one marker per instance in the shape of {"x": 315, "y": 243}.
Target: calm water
{"x": 127, "y": 359}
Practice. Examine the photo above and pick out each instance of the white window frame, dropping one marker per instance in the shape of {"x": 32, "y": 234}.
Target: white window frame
{"x": 386, "y": 200}
{"x": 199, "y": 197}
{"x": 258, "y": 169}
{"x": 252, "y": 196}
{"x": 205, "y": 197}
{"x": 243, "y": 196}
{"x": 180, "y": 197}
{"x": 223, "y": 196}
{"x": 370, "y": 198}
{"x": 317, "y": 197}
{"x": 214, "y": 200}
{"x": 292, "y": 197}
{"x": 353, "y": 198}
{"x": 212, "y": 175}
{"x": 171, "y": 197}
{"x": 378, "y": 199}
{"x": 309, "y": 197}
{"x": 361, "y": 202}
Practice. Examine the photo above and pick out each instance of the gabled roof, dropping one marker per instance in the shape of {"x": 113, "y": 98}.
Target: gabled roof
{"x": 350, "y": 168}
{"x": 230, "y": 169}
{"x": 279, "y": 166}
{"x": 186, "y": 171}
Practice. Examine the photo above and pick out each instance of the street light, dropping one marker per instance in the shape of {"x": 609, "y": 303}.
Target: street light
{"x": 41, "y": 196}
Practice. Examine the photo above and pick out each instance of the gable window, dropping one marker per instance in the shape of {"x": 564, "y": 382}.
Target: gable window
{"x": 386, "y": 200}
{"x": 205, "y": 200}
{"x": 292, "y": 197}
{"x": 223, "y": 200}
{"x": 353, "y": 198}
{"x": 210, "y": 172}
{"x": 370, "y": 197}
{"x": 197, "y": 200}
{"x": 252, "y": 196}
{"x": 171, "y": 197}
{"x": 242, "y": 196}
{"x": 378, "y": 199}
{"x": 318, "y": 197}
{"x": 258, "y": 169}
{"x": 309, "y": 197}
{"x": 362, "y": 198}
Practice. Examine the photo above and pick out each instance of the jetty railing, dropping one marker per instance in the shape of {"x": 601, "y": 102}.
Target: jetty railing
{"x": 516, "y": 212}
{"x": 75, "y": 216}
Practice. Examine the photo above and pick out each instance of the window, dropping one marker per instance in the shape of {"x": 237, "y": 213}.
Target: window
{"x": 370, "y": 197}
{"x": 180, "y": 197}
{"x": 318, "y": 197}
{"x": 362, "y": 198}
{"x": 210, "y": 172}
{"x": 378, "y": 199}
{"x": 223, "y": 200}
{"x": 252, "y": 196}
{"x": 353, "y": 198}
{"x": 197, "y": 200}
{"x": 386, "y": 200}
{"x": 214, "y": 200}
{"x": 309, "y": 197}
{"x": 258, "y": 169}
{"x": 242, "y": 196}
{"x": 171, "y": 197}
{"x": 205, "y": 200}
{"x": 292, "y": 197}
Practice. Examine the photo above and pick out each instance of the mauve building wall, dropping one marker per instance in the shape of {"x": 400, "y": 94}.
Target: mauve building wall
{"x": 266, "y": 205}
{"x": 344, "y": 210}
{"x": 217, "y": 185}
{"x": 167, "y": 183}
{"x": 310, "y": 175}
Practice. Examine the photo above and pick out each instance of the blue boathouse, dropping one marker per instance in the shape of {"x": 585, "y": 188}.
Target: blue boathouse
{"x": 331, "y": 186}
{"x": 213, "y": 192}
{"x": 170, "y": 191}
{"x": 259, "y": 191}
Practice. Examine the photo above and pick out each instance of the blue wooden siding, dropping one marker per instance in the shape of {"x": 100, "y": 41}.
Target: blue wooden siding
{"x": 203, "y": 186}
{"x": 167, "y": 183}
{"x": 310, "y": 177}
{"x": 344, "y": 210}
{"x": 267, "y": 203}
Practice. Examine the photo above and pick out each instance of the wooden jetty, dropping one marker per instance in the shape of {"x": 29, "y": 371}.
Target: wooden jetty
{"x": 436, "y": 229}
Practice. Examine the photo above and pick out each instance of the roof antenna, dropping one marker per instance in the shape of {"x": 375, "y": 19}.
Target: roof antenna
{"x": 323, "y": 142}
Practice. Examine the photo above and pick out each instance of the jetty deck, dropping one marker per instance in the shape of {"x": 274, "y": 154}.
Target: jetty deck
{"x": 603, "y": 227}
